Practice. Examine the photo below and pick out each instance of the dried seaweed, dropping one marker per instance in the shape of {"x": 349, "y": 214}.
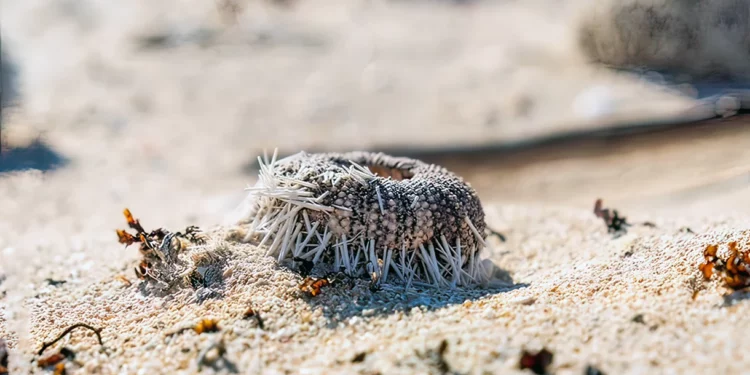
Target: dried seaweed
{"x": 360, "y": 357}
{"x": 124, "y": 280}
{"x": 591, "y": 370}
{"x": 436, "y": 357}
{"x": 615, "y": 223}
{"x": 3, "y": 357}
{"x": 250, "y": 313}
{"x": 206, "y": 325}
{"x": 169, "y": 259}
{"x": 537, "y": 362}
{"x": 214, "y": 355}
{"x": 375, "y": 283}
{"x": 313, "y": 285}
{"x": 56, "y": 358}
{"x": 305, "y": 266}
{"x": 734, "y": 270}
{"x": 60, "y": 369}
{"x": 497, "y": 234}
{"x": 96, "y": 331}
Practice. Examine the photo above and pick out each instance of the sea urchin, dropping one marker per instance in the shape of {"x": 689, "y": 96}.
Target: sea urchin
{"x": 369, "y": 212}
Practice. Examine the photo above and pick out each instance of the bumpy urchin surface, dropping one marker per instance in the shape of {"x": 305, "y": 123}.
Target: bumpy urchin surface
{"x": 370, "y": 212}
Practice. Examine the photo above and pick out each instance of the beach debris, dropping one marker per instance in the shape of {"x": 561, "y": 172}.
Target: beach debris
{"x": 142, "y": 270}
{"x": 615, "y": 223}
{"x": 54, "y": 282}
{"x": 124, "y": 280}
{"x": 591, "y": 370}
{"x": 305, "y": 266}
{"x": 60, "y": 369}
{"x": 436, "y": 358}
{"x": 250, "y": 313}
{"x": 707, "y": 268}
{"x": 196, "y": 235}
{"x": 3, "y": 357}
{"x": 341, "y": 277}
{"x": 374, "y": 284}
{"x": 497, "y": 234}
{"x": 160, "y": 242}
{"x": 536, "y": 362}
{"x": 177, "y": 259}
{"x": 734, "y": 270}
{"x": 640, "y": 319}
{"x": 96, "y": 331}
{"x": 695, "y": 286}
{"x": 50, "y": 360}
{"x": 56, "y": 360}
{"x": 359, "y": 357}
{"x": 214, "y": 356}
{"x": 313, "y": 285}
{"x": 206, "y": 325}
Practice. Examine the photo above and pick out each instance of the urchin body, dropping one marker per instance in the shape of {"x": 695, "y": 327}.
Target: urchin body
{"x": 373, "y": 210}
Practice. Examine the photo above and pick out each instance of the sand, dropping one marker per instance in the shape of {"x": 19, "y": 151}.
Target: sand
{"x": 161, "y": 107}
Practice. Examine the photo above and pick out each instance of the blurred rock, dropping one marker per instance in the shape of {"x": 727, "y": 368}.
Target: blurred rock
{"x": 8, "y": 80}
{"x": 703, "y": 38}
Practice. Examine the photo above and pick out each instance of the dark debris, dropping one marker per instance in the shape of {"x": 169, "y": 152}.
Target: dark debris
{"x": 497, "y": 234}
{"x": 96, "y": 331}
{"x": 54, "y": 282}
{"x": 203, "y": 326}
{"x": 218, "y": 361}
{"x": 250, "y": 313}
{"x": 638, "y": 319}
{"x": 591, "y": 370}
{"x": 56, "y": 358}
{"x": 360, "y": 357}
{"x": 436, "y": 358}
{"x": 537, "y": 362}
{"x": 3, "y": 357}
{"x": 305, "y": 266}
{"x": 615, "y": 223}
{"x": 686, "y": 230}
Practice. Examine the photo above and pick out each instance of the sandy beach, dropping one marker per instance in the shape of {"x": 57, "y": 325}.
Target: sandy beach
{"x": 163, "y": 106}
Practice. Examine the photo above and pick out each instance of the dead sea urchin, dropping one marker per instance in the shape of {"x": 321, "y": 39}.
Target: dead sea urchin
{"x": 370, "y": 212}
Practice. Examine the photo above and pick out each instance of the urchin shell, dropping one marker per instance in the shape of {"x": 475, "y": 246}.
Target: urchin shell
{"x": 370, "y": 212}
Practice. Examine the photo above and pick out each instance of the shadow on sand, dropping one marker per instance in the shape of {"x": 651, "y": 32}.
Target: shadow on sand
{"x": 347, "y": 299}
{"x": 36, "y": 155}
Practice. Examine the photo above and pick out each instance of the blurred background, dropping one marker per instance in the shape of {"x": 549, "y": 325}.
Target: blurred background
{"x": 162, "y": 106}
